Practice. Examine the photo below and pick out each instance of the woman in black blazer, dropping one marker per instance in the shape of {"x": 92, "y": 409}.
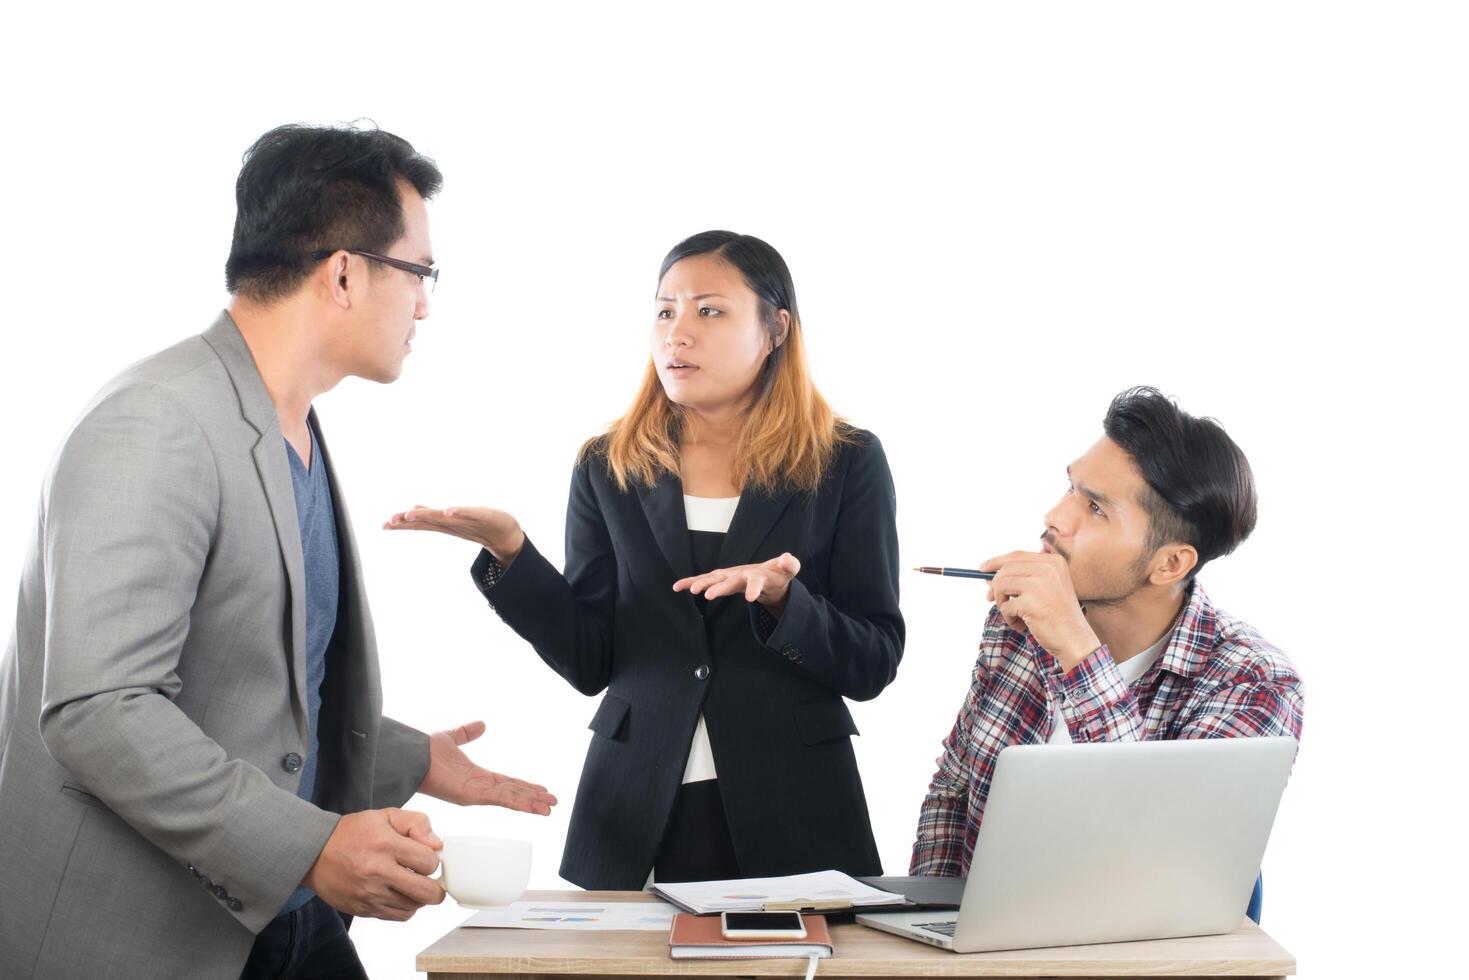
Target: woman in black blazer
{"x": 731, "y": 576}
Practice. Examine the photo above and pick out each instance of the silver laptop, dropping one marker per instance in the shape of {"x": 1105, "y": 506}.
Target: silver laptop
{"x": 1099, "y": 843}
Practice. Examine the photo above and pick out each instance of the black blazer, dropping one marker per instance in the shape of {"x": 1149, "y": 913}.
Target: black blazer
{"x": 771, "y": 697}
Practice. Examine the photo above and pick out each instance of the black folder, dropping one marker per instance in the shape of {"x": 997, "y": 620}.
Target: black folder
{"x": 921, "y": 891}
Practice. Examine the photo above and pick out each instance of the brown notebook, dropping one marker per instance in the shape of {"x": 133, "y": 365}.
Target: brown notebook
{"x": 701, "y": 937}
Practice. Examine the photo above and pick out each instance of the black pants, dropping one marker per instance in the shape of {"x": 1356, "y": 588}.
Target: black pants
{"x": 696, "y": 846}
{"x": 310, "y": 942}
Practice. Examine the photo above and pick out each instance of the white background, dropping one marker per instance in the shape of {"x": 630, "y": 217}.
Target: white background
{"x": 996, "y": 219}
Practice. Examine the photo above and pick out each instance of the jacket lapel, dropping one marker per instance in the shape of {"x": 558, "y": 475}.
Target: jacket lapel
{"x": 275, "y": 476}
{"x": 663, "y": 505}
{"x": 753, "y": 518}
{"x": 361, "y": 687}
{"x": 355, "y": 617}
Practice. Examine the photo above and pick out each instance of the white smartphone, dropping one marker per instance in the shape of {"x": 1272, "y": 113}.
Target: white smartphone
{"x": 762, "y": 925}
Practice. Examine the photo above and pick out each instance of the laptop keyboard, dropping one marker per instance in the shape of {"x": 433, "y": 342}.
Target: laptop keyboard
{"x": 945, "y": 928}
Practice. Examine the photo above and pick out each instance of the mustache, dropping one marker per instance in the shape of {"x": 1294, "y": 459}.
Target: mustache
{"x": 1048, "y": 536}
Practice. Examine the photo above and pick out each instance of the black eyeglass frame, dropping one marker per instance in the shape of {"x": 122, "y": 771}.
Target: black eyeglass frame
{"x": 423, "y": 272}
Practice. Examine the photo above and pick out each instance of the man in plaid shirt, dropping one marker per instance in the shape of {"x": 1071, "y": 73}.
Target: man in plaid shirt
{"x": 1105, "y": 635}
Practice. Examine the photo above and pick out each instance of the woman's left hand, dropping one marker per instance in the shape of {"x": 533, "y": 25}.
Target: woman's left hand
{"x": 494, "y": 530}
{"x": 454, "y": 777}
{"x": 767, "y": 583}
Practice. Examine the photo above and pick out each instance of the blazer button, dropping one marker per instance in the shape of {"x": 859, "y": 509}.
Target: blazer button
{"x": 291, "y": 762}
{"x": 701, "y": 671}
{"x": 209, "y": 885}
{"x": 219, "y": 892}
{"x": 235, "y": 904}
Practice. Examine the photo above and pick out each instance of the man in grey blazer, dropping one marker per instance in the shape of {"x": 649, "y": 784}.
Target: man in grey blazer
{"x": 195, "y": 774}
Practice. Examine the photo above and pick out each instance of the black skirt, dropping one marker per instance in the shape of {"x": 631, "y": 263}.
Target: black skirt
{"x": 696, "y": 846}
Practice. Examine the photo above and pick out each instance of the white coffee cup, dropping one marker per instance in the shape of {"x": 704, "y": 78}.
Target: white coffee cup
{"x": 484, "y": 872}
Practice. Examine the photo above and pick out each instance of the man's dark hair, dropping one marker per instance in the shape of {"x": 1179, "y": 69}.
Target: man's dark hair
{"x": 306, "y": 189}
{"x": 1200, "y": 488}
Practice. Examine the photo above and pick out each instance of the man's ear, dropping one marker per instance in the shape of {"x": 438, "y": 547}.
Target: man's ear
{"x": 338, "y": 283}
{"x": 1173, "y": 563}
{"x": 783, "y": 328}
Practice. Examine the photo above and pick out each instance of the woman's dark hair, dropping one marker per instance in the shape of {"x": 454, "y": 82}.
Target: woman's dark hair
{"x": 764, "y": 271}
{"x": 1200, "y": 488}
{"x": 307, "y": 189}
{"x": 788, "y": 436}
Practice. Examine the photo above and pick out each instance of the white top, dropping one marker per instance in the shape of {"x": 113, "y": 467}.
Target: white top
{"x": 709, "y": 513}
{"x": 1132, "y": 669}
{"x": 705, "y": 514}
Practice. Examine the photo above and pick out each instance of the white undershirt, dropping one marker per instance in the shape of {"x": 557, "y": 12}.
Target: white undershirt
{"x": 705, "y": 514}
{"x": 1132, "y": 669}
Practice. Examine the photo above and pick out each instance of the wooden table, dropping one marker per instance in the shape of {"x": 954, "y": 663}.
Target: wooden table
{"x": 465, "y": 954}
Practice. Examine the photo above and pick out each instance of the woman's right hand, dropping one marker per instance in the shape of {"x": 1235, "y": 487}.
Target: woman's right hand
{"x": 494, "y": 530}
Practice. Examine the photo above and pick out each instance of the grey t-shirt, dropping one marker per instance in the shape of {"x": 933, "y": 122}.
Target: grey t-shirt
{"x": 318, "y": 520}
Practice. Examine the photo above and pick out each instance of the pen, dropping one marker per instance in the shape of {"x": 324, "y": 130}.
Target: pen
{"x": 959, "y": 572}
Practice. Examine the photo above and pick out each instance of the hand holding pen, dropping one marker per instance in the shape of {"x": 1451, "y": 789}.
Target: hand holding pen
{"x": 1033, "y": 591}
{"x": 955, "y": 572}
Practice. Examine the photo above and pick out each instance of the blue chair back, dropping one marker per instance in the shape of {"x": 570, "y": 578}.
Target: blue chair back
{"x": 1256, "y": 900}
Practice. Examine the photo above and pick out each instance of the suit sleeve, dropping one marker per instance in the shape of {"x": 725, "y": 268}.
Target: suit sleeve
{"x": 130, "y": 514}
{"x": 852, "y": 639}
{"x": 566, "y": 618}
{"x": 400, "y": 764}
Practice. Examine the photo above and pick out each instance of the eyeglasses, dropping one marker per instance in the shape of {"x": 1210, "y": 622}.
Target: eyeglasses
{"x": 423, "y": 272}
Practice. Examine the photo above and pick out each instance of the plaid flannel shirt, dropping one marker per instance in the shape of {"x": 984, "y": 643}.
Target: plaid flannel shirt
{"x": 1217, "y": 678}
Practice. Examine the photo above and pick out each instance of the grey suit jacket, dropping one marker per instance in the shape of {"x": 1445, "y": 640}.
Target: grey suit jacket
{"x": 154, "y": 687}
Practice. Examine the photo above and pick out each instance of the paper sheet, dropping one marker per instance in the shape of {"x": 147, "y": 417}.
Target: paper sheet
{"x": 752, "y": 893}
{"x": 643, "y": 916}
